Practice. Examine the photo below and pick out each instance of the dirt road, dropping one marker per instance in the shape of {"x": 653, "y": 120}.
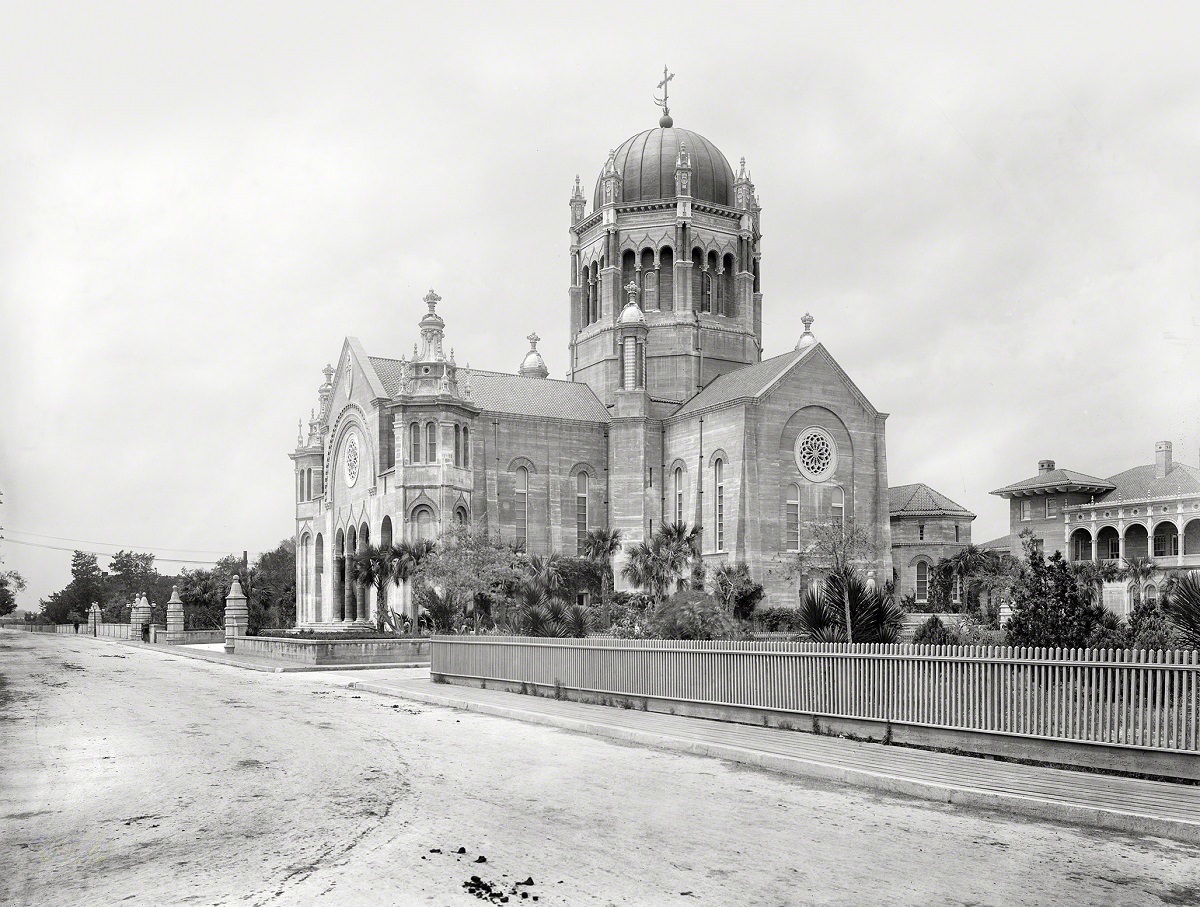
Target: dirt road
{"x": 133, "y": 777}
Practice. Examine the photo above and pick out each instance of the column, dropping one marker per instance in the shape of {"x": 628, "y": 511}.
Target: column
{"x": 237, "y": 615}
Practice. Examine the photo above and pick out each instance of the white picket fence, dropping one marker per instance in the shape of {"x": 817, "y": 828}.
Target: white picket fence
{"x": 1131, "y": 698}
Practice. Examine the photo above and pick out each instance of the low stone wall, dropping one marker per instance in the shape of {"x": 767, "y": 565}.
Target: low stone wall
{"x": 334, "y": 651}
{"x": 200, "y": 637}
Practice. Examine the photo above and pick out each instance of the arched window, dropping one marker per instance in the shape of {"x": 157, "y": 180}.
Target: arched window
{"x": 678, "y": 494}
{"x": 1151, "y": 594}
{"x": 303, "y": 571}
{"x": 581, "y": 511}
{"x": 837, "y": 506}
{"x": 460, "y": 516}
{"x": 385, "y": 532}
{"x": 521, "y": 505}
{"x": 792, "y": 506}
{"x": 719, "y": 504}
{"x": 318, "y": 575}
{"x": 466, "y": 446}
{"x": 422, "y": 519}
{"x": 922, "y": 581}
{"x": 728, "y": 272}
{"x": 666, "y": 279}
{"x": 649, "y": 281}
{"x": 458, "y": 445}
{"x": 431, "y": 442}
{"x": 414, "y": 443}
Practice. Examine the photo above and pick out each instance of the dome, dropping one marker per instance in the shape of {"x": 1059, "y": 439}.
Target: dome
{"x": 646, "y": 163}
{"x": 533, "y": 365}
{"x": 632, "y": 314}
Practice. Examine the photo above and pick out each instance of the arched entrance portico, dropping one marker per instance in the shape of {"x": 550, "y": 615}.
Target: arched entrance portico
{"x": 1081, "y": 545}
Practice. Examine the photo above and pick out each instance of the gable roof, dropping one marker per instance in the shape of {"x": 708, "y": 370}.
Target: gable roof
{"x": 498, "y": 392}
{"x": 1057, "y": 480}
{"x": 752, "y": 382}
{"x": 921, "y": 500}
{"x": 1140, "y": 483}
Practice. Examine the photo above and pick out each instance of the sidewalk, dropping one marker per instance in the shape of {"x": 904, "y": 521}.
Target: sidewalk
{"x": 215, "y": 652}
{"x": 1105, "y": 801}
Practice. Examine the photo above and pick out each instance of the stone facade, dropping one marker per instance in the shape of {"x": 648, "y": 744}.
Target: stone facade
{"x": 926, "y": 527}
{"x": 670, "y": 413}
{"x": 1147, "y": 512}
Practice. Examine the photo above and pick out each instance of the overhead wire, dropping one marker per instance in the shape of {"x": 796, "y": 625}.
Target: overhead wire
{"x": 109, "y": 554}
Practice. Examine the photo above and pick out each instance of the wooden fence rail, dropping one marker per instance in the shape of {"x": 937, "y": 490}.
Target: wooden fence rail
{"x": 1145, "y": 699}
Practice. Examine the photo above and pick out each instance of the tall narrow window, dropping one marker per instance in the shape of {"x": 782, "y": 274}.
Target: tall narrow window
{"x": 431, "y": 442}
{"x": 1027, "y": 509}
{"x": 458, "y": 445}
{"x": 719, "y": 504}
{"x": 581, "y": 511}
{"x": 956, "y": 589}
{"x": 920, "y": 532}
{"x": 678, "y": 494}
{"x": 837, "y": 507}
{"x": 956, "y": 532}
{"x": 521, "y": 505}
{"x": 922, "y": 581}
{"x": 414, "y": 443}
{"x": 792, "y": 533}
{"x": 466, "y": 446}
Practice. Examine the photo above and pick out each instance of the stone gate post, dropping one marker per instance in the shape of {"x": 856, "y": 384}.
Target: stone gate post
{"x": 237, "y": 615}
{"x": 175, "y": 635}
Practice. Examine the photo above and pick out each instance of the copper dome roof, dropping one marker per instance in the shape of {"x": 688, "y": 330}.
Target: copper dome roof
{"x": 646, "y": 163}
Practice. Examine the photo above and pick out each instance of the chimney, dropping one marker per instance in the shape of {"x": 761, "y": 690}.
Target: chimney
{"x": 1045, "y": 466}
{"x": 1162, "y": 459}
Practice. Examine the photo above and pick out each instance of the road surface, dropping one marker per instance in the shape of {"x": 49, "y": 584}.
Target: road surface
{"x": 133, "y": 777}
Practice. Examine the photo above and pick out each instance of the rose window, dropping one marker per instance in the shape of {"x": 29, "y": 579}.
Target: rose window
{"x": 816, "y": 454}
{"x": 352, "y": 460}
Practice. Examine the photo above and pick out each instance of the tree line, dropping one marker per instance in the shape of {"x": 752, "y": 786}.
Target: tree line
{"x": 269, "y": 582}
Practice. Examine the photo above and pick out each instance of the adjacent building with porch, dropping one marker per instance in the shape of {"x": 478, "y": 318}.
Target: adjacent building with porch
{"x": 1150, "y": 511}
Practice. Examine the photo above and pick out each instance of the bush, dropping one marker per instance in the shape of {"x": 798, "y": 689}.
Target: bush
{"x": 934, "y": 633}
{"x": 776, "y": 620}
{"x": 737, "y": 591}
{"x": 693, "y": 615}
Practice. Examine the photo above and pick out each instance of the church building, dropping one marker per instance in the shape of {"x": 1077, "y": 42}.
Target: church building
{"x": 669, "y": 412}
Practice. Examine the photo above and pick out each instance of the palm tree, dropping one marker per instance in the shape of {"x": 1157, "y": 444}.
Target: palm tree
{"x": 600, "y": 547}
{"x": 1138, "y": 571}
{"x": 544, "y": 573}
{"x": 402, "y": 561}
{"x": 371, "y": 570}
{"x": 662, "y": 562}
{"x": 1181, "y": 605}
{"x": 845, "y": 609}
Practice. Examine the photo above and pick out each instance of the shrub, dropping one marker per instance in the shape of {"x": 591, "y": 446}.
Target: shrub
{"x": 691, "y": 614}
{"x": 934, "y": 633}
{"x": 776, "y": 620}
{"x": 737, "y": 591}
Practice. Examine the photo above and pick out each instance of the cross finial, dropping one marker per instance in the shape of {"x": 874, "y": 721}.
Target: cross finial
{"x": 533, "y": 340}
{"x": 432, "y": 299}
{"x": 666, "y": 121}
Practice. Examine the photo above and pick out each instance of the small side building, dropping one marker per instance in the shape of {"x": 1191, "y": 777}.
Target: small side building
{"x": 926, "y": 527}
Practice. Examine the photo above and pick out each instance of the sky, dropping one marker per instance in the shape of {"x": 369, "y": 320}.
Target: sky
{"x": 990, "y": 210}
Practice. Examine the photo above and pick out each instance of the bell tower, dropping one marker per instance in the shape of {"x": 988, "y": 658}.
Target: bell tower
{"x": 670, "y": 218}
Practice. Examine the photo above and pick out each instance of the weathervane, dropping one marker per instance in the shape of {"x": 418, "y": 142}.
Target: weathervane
{"x": 665, "y": 122}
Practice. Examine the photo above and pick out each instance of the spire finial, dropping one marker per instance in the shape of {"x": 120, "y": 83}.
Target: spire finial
{"x": 299, "y": 432}
{"x": 632, "y": 289}
{"x": 533, "y": 340}
{"x": 807, "y": 338}
{"x": 432, "y": 299}
{"x": 666, "y": 122}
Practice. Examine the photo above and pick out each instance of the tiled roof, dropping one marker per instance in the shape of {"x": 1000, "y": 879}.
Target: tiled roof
{"x": 1065, "y": 479}
{"x": 921, "y": 499}
{"x": 1004, "y": 543}
{"x": 497, "y": 392}
{"x": 749, "y": 381}
{"x": 1139, "y": 483}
